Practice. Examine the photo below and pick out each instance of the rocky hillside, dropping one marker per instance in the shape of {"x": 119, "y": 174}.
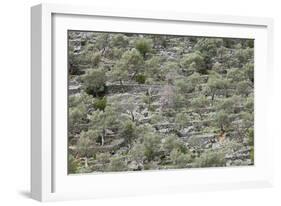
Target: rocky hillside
{"x": 140, "y": 102}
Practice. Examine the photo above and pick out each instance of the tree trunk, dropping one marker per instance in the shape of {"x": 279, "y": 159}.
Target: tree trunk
{"x": 103, "y": 136}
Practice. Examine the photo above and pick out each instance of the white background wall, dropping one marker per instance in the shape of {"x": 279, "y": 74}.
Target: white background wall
{"x": 15, "y": 95}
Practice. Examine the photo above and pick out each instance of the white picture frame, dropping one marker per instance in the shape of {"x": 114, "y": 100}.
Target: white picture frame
{"x": 49, "y": 179}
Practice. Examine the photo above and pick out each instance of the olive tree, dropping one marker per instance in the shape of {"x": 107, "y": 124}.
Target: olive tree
{"x": 194, "y": 62}
{"x": 119, "y": 40}
{"x": 95, "y": 81}
{"x": 151, "y": 144}
{"x": 199, "y": 105}
{"x": 208, "y": 48}
{"x": 130, "y": 64}
{"x": 215, "y": 84}
{"x": 101, "y": 121}
{"x": 144, "y": 46}
{"x": 222, "y": 120}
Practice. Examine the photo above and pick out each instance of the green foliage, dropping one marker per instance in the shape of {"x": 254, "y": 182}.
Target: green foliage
{"x": 144, "y": 46}
{"x": 188, "y": 84}
{"x": 94, "y": 81}
{"x": 73, "y": 63}
{"x": 179, "y": 159}
{"x": 100, "y": 103}
{"x": 249, "y": 106}
{"x": 194, "y": 87}
{"x": 211, "y": 158}
{"x": 243, "y": 88}
{"x": 153, "y": 68}
{"x": 73, "y": 165}
{"x": 235, "y": 75}
{"x": 95, "y": 59}
{"x": 117, "y": 164}
{"x": 251, "y": 136}
{"x": 249, "y": 70}
{"x": 208, "y": 48}
{"x": 194, "y": 62}
{"x": 119, "y": 40}
{"x": 244, "y": 55}
{"x": 128, "y": 131}
{"x": 216, "y": 83}
{"x": 181, "y": 120}
{"x": 140, "y": 78}
{"x": 137, "y": 153}
{"x": 183, "y": 86}
{"x": 222, "y": 119}
{"x": 102, "y": 42}
{"x": 229, "y": 104}
{"x": 130, "y": 64}
{"x": 151, "y": 143}
{"x": 85, "y": 142}
{"x": 77, "y": 116}
{"x": 199, "y": 104}
{"x": 171, "y": 142}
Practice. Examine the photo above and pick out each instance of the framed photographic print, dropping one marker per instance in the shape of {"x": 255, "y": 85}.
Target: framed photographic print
{"x": 137, "y": 102}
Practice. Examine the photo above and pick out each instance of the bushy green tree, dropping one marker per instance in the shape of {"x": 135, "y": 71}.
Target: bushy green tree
{"x": 188, "y": 84}
{"x": 222, "y": 120}
{"x": 100, "y": 103}
{"x": 235, "y": 75}
{"x": 208, "y": 48}
{"x": 102, "y": 42}
{"x": 85, "y": 143}
{"x": 73, "y": 165}
{"x": 243, "y": 88}
{"x": 128, "y": 131}
{"x": 101, "y": 121}
{"x": 153, "y": 68}
{"x": 244, "y": 56}
{"x": 144, "y": 46}
{"x": 194, "y": 62}
{"x": 229, "y": 104}
{"x": 215, "y": 84}
{"x": 73, "y": 63}
{"x": 199, "y": 105}
{"x": 130, "y": 64}
{"x": 136, "y": 153}
{"x": 151, "y": 143}
{"x": 211, "y": 158}
{"x": 119, "y": 40}
{"x": 95, "y": 81}
{"x": 179, "y": 159}
{"x": 95, "y": 59}
{"x": 77, "y": 116}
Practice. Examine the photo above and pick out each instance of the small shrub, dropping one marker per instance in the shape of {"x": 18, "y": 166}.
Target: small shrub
{"x": 95, "y": 59}
{"x": 140, "y": 78}
{"x": 151, "y": 144}
{"x": 100, "y": 103}
{"x": 128, "y": 131}
{"x": 143, "y": 46}
{"x": 94, "y": 82}
{"x": 210, "y": 159}
{"x": 195, "y": 62}
{"x": 179, "y": 159}
{"x": 117, "y": 164}
{"x": 73, "y": 165}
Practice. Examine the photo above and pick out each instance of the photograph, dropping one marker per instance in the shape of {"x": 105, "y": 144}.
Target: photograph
{"x": 140, "y": 102}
